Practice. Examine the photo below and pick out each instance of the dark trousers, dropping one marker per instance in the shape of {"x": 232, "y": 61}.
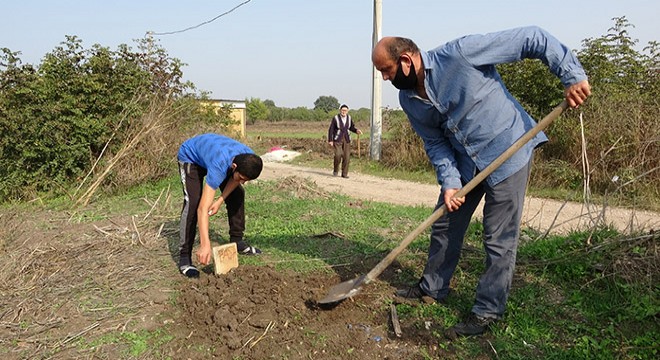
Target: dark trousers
{"x": 343, "y": 156}
{"x": 502, "y": 213}
{"x": 192, "y": 179}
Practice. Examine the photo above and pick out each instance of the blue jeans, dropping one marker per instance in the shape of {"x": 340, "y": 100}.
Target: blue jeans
{"x": 501, "y": 219}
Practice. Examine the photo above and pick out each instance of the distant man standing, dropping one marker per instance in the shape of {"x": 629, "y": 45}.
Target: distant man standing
{"x": 457, "y": 103}
{"x": 340, "y": 139}
{"x": 209, "y": 162}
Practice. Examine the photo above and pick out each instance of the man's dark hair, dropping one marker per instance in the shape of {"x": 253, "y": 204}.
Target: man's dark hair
{"x": 343, "y": 106}
{"x": 399, "y": 45}
{"x": 249, "y": 165}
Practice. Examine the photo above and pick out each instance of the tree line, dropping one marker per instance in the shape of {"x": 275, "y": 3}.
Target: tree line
{"x": 325, "y": 107}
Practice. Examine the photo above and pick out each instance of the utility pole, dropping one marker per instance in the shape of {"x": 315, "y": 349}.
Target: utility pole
{"x": 376, "y": 114}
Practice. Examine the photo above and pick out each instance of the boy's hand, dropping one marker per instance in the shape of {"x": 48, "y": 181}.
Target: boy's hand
{"x": 215, "y": 207}
{"x": 204, "y": 255}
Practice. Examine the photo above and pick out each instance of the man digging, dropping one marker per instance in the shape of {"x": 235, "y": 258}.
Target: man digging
{"x": 457, "y": 103}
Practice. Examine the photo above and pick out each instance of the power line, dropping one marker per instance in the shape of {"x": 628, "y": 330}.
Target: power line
{"x": 198, "y": 25}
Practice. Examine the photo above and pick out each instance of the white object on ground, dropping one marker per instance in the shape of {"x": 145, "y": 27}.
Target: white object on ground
{"x": 279, "y": 155}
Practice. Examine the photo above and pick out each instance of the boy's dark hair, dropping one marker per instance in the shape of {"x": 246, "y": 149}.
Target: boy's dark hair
{"x": 249, "y": 165}
{"x": 343, "y": 106}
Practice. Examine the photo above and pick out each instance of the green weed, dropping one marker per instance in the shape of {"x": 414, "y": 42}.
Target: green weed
{"x": 134, "y": 344}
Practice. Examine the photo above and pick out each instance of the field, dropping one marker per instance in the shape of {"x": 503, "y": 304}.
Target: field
{"x": 101, "y": 281}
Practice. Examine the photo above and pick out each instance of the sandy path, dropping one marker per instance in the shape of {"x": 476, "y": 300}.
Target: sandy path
{"x": 540, "y": 214}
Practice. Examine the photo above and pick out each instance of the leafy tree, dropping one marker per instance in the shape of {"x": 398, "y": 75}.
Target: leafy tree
{"x": 276, "y": 114}
{"x": 530, "y": 81}
{"x": 57, "y": 118}
{"x": 256, "y": 110}
{"x": 301, "y": 113}
{"x": 623, "y": 116}
{"x": 362, "y": 115}
{"x": 326, "y": 103}
{"x": 19, "y": 98}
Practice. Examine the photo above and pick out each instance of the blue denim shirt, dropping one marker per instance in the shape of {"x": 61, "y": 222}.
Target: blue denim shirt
{"x": 470, "y": 117}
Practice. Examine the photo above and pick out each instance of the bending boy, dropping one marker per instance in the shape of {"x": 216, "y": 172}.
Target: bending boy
{"x": 225, "y": 164}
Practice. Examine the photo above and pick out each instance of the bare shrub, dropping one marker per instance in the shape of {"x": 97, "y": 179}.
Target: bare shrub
{"x": 150, "y": 144}
{"x": 622, "y": 137}
{"x": 405, "y": 150}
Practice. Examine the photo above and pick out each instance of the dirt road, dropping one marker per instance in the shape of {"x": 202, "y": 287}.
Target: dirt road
{"x": 541, "y": 214}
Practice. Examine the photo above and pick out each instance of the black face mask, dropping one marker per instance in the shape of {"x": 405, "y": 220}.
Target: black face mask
{"x": 403, "y": 82}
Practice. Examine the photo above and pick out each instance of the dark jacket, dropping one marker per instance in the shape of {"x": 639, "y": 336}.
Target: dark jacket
{"x": 338, "y": 132}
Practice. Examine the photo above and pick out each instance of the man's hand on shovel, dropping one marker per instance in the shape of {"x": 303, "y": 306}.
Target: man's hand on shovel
{"x": 453, "y": 203}
{"x": 577, "y": 93}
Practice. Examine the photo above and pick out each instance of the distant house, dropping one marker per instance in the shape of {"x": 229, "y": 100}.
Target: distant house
{"x": 238, "y": 113}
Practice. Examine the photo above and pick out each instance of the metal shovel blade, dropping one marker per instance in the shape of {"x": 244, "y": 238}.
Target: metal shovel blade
{"x": 343, "y": 290}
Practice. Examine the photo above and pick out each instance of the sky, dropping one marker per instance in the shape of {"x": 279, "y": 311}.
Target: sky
{"x": 293, "y": 51}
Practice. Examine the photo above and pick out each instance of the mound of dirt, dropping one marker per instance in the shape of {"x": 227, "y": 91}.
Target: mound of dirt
{"x": 260, "y": 312}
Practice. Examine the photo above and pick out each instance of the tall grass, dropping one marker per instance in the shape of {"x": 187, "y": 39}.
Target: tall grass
{"x": 620, "y": 164}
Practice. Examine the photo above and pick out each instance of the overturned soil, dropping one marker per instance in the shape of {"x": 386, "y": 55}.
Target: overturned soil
{"x": 99, "y": 284}
{"x": 259, "y": 313}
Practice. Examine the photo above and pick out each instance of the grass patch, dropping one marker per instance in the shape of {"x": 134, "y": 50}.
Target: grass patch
{"x": 131, "y": 344}
{"x": 312, "y": 234}
{"x": 562, "y": 306}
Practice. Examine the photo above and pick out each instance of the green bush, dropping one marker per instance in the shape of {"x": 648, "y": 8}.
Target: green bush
{"x": 80, "y": 106}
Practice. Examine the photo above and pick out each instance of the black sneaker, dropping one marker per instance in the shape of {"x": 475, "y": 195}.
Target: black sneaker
{"x": 411, "y": 292}
{"x": 472, "y": 325}
{"x": 243, "y": 248}
{"x": 189, "y": 271}
{"x": 249, "y": 250}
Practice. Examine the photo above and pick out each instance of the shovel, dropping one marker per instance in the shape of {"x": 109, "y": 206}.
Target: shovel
{"x": 349, "y": 288}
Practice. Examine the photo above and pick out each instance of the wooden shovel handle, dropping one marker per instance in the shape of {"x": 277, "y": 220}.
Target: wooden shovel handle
{"x": 481, "y": 176}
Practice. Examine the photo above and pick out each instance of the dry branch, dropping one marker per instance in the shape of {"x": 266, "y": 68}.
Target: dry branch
{"x": 270, "y": 326}
{"x": 155, "y": 119}
{"x": 396, "y": 325}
